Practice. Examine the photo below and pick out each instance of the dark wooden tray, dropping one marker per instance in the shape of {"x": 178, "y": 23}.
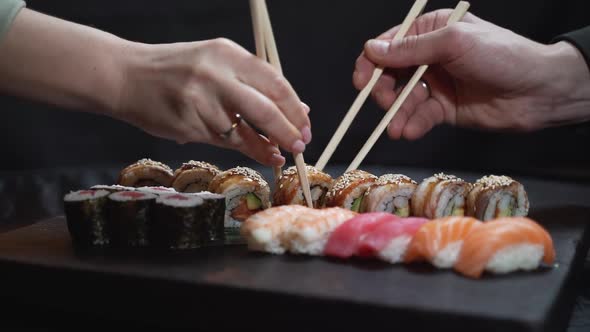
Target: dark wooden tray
{"x": 231, "y": 287}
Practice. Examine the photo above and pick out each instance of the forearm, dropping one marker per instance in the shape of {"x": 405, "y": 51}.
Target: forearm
{"x": 569, "y": 83}
{"x": 62, "y": 63}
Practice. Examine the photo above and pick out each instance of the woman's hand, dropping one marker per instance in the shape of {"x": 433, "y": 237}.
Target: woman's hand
{"x": 480, "y": 75}
{"x": 190, "y": 92}
{"x": 187, "y": 92}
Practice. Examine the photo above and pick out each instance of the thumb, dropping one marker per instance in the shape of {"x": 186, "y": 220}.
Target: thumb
{"x": 439, "y": 46}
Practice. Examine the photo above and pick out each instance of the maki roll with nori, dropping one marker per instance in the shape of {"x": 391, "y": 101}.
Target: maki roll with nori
{"x": 194, "y": 176}
{"x": 496, "y": 196}
{"x": 129, "y": 214}
{"x": 390, "y": 193}
{"x": 349, "y": 190}
{"x": 246, "y": 193}
{"x": 289, "y": 192}
{"x": 440, "y": 195}
{"x": 179, "y": 222}
{"x": 214, "y": 215}
{"x": 112, "y": 188}
{"x": 146, "y": 172}
{"x": 85, "y": 212}
{"x": 157, "y": 190}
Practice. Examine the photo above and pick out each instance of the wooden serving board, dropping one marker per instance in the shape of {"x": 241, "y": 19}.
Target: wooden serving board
{"x": 231, "y": 287}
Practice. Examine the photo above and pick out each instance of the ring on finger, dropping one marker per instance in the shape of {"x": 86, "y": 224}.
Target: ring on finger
{"x": 237, "y": 120}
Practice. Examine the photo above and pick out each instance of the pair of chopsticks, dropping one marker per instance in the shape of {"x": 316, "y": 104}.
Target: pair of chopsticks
{"x": 266, "y": 49}
{"x": 457, "y": 14}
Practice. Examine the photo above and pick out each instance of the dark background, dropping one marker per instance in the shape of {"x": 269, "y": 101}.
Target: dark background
{"x": 50, "y": 150}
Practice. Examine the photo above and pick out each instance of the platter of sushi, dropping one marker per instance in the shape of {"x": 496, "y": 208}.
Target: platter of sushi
{"x": 443, "y": 219}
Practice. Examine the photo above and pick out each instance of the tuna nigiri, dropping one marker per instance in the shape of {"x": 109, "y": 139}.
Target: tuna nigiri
{"x": 505, "y": 245}
{"x": 310, "y": 231}
{"x": 389, "y": 240}
{"x": 439, "y": 241}
{"x": 345, "y": 239}
{"x": 263, "y": 230}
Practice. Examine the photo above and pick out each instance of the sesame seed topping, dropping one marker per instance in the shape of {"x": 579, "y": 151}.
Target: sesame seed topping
{"x": 192, "y": 164}
{"x": 494, "y": 181}
{"x": 151, "y": 163}
{"x": 347, "y": 179}
{"x": 447, "y": 177}
{"x": 397, "y": 179}
{"x": 248, "y": 173}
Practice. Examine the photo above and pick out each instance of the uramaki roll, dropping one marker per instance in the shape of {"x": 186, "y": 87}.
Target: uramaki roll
{"x": 349, "y": 190}
{"x": 145, "y": 173}
{"x": 194, "y": 176}
{"x": 246, "y": 192}
{"x": 390, "y": 193}
{"x": 289, "y": 192}
{"x": 496, "y": 196}
{"x": 440, "y": 195}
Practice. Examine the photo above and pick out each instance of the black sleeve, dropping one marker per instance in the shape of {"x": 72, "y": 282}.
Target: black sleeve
{"x": 580, "y": 39}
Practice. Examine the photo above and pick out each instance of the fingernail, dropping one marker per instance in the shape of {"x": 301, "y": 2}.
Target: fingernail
{"x": 306, "y": 134}
{"x": 298, "y": 147}
{"x": 277, "y": 160}
{"x": 378, "y": 47}
{"x": 305, "y": 107}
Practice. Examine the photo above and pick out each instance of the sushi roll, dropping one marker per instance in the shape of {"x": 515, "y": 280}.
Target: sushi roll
{"x": 310, "y": 232}
{"x": 146, "y": 172}
{"x": 505, "y": 245}
{"x": 389, "y": 239}
{"x": 390, "y": 193}
{"x": 288, "y": 190}
{"x": 345, "y": 240}
{"x": 440, "y": 195}
{"x": 194, "y": 176}
{"x": 129, "y": 216}
{"x": 112, "y": 188}
{"x": 246, "y": 192}
{"x": 495, "y": 196}
{"x": 178, "y": 222}
{"x": 157, "y": 190}
{"x": 214, "y": 215}
{"x": 85, "y": 212}
{"x": 265, "y": 230}
{"x": 349, "y": 190}
{"x": 440, "y": 241}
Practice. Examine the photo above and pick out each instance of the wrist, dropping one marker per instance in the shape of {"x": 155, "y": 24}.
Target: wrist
{"x": 568, "y": 85}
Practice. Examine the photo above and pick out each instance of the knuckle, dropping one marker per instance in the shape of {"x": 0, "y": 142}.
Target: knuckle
{"x": 280, "y": 88}
{"x": 407, "y": 44}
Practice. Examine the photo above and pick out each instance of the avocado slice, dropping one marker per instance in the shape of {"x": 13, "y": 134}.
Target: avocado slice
{"x": 253, "y": 202}
{"x": 356, "y": 204}
{"x": 402, "y": 212}
{"x": 460, "y": 212}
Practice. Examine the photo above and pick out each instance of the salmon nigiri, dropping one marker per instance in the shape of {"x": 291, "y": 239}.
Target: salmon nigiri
{"x": 439, "y": 241}
{"x": 389, "y": 240}
{"x": 345, "y": 239}
{"x": 263, "y": 230}
{"x": 505, "y": 245}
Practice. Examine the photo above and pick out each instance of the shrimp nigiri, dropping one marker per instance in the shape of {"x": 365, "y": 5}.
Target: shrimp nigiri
{"x": 345, "y": 239}
{"x": 505, "y": 245}
{"x": 389, "y": 240}
{"x": 309, "y": 233}
{"x": 440, "y": 240}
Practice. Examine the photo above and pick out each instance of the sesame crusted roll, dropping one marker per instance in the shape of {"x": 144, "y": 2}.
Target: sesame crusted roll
{"x": 390, "y": 193}
{"x": 146, "y": 172}
{"x": 194, "y": 176}
{"x": 349, "y": 189}
{"x": 246, "y": 192}
{"x": 289, "y": 192}
{"x": 496, "y": 196}
{"x": 439, "y": 196}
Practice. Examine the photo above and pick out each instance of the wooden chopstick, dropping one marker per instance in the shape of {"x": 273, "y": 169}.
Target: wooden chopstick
{"x": 414, "y": 12}
{"x": 260, "y": 41}
{"x": 456, "y": 16}
{"x": 273, "y": 57}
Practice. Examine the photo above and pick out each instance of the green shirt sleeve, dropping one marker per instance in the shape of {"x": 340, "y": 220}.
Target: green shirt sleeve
{"x": 8, "y": 11}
